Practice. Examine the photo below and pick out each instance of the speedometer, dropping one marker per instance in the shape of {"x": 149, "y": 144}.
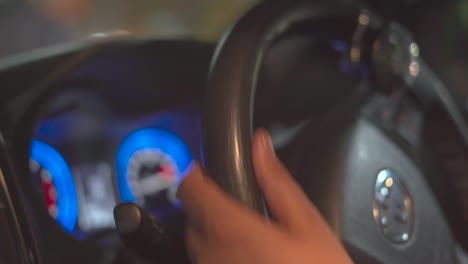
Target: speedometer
{"x": 150, "y": 163}
{"x": 152, "y": 176}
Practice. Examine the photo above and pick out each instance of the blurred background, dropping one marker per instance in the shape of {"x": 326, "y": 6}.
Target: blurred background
{"x": 30, "y": 24}
{"x": 439, "y": 26}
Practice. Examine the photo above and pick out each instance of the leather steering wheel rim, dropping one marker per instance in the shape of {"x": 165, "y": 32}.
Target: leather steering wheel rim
{"x": 228, "y": 115}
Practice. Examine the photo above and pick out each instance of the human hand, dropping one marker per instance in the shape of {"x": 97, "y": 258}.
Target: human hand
{"x": 221, "y": 230}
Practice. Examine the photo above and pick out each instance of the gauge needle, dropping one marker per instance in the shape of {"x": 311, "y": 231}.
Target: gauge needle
{"x": 166, "y": 172}
{"x": 153, "y": 184}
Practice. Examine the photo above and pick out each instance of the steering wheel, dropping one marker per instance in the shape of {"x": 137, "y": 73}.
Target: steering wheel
{"x": 374, "y": 196}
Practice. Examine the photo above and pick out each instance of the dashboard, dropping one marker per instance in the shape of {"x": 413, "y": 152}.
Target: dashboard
{"x": 86, "y": 158}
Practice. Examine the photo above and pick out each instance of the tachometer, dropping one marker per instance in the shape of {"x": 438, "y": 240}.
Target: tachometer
{"x": 56, "y": 183}
{"x": 150, "y": 162}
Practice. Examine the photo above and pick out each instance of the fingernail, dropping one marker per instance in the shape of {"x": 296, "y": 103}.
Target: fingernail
{"x": 267, "y": 145}
{"x": 263, "y": 155}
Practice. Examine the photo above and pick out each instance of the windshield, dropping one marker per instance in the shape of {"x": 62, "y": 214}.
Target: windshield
{"x": 32, "y": 24}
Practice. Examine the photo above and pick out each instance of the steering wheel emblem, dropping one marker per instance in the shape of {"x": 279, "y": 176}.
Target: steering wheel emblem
{"x": 393, "y": 207}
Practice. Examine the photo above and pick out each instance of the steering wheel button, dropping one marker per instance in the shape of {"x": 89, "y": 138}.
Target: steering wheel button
{"x": 405, "y": 237}
{"x": 384, "y": 221}
{"x": 384, "y": 192}
{"x": 403, "y": 217}
{"x": 383, "y": 202}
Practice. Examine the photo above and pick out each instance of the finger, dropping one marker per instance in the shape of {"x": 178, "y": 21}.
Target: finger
{"x": 217, "y": 216}
{"x": 202, "y": 248}
{"x": 204, "y": 203}
{"x": 287, "y": 202}
{"x": 194, "y": 244}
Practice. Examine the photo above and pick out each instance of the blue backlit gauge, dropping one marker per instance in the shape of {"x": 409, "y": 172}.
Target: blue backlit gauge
{"x": 56, "y": 183}
{"x": 150, "y": 163}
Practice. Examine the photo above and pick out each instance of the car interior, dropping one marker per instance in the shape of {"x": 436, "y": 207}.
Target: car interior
{"x": 365, "y": 101}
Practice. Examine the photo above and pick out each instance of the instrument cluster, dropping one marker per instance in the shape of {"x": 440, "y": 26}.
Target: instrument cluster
{"x": 85, "y": 158}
